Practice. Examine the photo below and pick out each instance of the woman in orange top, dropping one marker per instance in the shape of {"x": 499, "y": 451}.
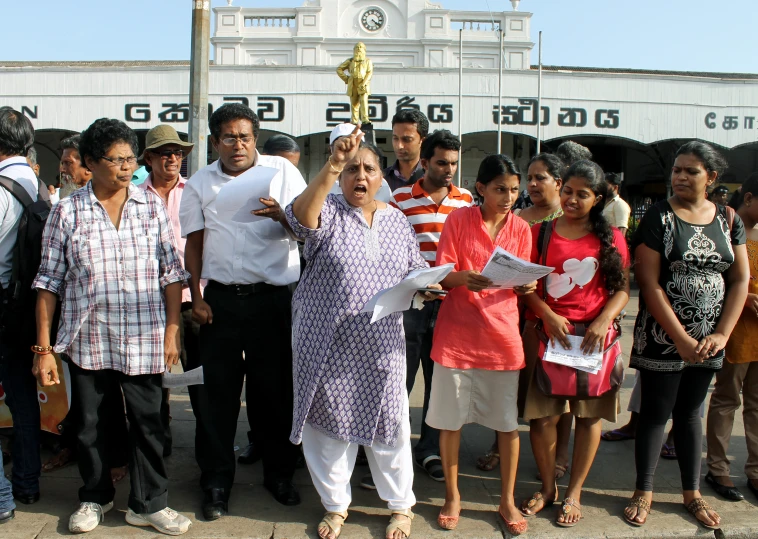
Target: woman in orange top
{"x": 477, "y": 348}
{"x": 740, "y": 370}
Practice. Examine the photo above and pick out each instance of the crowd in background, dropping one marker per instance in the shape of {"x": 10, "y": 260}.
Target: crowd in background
{"x": 126, "y": 280}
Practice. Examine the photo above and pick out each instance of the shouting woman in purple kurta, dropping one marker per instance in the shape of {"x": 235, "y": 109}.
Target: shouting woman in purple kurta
{"x": 349, "y": 374}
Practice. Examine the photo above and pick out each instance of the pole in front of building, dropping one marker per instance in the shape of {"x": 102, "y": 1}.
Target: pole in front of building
{"x": 460, "y": 105}
{"x": 500, "y": 94}
{"x": 539, "y": 95}
{"x": 199, "y": 61}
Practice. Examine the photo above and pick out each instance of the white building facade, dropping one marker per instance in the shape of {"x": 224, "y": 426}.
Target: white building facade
{"x": 281, "y": 62}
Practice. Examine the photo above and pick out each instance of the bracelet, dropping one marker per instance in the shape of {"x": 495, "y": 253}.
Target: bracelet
{"x": 41, "y": 350}
{"x": 334, "y": 169}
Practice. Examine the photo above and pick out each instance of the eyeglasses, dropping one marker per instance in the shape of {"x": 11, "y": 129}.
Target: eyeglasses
{"x": 231, "y": 141}
{"x": 119, "y": 161}
{"x": 166, "y": 154}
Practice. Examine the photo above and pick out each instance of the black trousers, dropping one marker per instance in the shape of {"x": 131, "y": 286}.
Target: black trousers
{"x": 259, "y": 324}
{"x": 189, "y": 335}
{"x": 419, "y": 335}
{"x": 147, "y": 472}
{"x": 679, "y": 395}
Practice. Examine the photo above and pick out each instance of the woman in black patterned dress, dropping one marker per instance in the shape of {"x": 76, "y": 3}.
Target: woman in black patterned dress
{"x": 692, "y": 268}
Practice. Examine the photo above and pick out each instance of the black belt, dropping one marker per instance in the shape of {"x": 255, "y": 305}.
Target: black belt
{"x": 243, "y": 289}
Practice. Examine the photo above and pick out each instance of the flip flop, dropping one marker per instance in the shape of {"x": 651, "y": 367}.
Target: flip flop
{"x": 616, "y": 435}
{"x": 668, "y": 451}
{"x": 489, "y": 461}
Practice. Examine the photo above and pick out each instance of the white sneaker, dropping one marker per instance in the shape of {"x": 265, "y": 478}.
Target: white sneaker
{"x": 165, "y": 521}
{"x": 87, "y": 517}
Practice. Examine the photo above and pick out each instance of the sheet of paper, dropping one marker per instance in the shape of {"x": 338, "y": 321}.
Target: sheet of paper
{"x": 555, "y": 353}
{"x": 399, "y": 297}
{"x": 189, "y": 378}
{"x": 506, "y": 270}
{"x": 240, "y": 196}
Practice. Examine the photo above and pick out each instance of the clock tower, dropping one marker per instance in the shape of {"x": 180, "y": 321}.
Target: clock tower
{"x": 399, "y": 33}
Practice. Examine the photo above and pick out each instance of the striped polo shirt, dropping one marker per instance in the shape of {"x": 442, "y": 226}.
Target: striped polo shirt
{"x": 427, "y": 217}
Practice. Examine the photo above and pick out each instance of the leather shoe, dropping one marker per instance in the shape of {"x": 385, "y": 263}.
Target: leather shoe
{"x": 283, "y": 491}
{"x": 249, "y": 455}
{"x": 215, "y": 504}
{"x": 26, "y": 499}
{"x": 8, "y": 515}
{"x": 730, "y": 493}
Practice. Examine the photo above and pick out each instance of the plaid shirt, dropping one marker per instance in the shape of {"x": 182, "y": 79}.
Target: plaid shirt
{"x": 110, "y": 281}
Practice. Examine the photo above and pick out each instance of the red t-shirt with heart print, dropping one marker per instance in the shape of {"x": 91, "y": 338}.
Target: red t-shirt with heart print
{"x": 576, "y": 288}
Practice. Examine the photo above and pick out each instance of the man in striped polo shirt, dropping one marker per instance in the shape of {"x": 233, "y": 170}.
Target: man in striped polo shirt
{"x": 427, "y": 203}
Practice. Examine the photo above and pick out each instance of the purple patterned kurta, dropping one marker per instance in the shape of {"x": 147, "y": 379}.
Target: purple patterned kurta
{"x": 349, "y": 374}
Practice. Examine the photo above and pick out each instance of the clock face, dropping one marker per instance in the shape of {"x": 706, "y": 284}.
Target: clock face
{"x": 373, "y": 19}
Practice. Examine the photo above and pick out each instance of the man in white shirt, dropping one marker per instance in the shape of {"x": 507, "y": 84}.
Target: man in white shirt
{"x": 245, "y": 308}
{"x": 16, "y": 336}
{"x": 616, "y": 210}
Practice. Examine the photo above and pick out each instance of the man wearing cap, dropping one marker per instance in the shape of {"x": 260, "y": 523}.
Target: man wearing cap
{"x": 245, "y": 309}
{"x": 720, "y": 195}
{"x": 162, "y": 158}
{"x": 344, "y": 130}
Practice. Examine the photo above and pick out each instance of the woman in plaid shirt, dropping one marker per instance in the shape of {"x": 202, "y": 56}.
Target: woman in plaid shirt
{"x": 108, "y": 254}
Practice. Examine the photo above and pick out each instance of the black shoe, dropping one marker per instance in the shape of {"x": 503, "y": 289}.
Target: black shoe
{"x": 8, "y": 515}
{"x": 26, "y": 499}
{"x": 249, "y": 455}
{"x": 215, "y": 504}
{"x": 367, "y": 482}
{"x": 283, "y": 491}
{"x": 730, "y": 493}
{"x": 433, "y": 467}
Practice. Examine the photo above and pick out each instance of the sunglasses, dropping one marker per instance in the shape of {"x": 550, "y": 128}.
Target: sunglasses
{"x": 166, "y": 154}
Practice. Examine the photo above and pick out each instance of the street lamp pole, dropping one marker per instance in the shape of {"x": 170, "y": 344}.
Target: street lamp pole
{"x": 199, "y": 61}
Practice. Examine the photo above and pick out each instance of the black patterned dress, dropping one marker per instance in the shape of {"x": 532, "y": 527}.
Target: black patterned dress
{"x": 694, "y": 259}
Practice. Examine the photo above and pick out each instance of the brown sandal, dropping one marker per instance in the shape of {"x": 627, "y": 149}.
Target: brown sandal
{"x": 642, "y": 505}
{"x": 333, "y": 521}
{"x": 61, "y": 459}
{"x": 489, "y": 461}
{"x": 566, "y": 507}
{"x": 528, "y": 505}
{"x": 697, "y": 505}
{"x": 401, "y": 524}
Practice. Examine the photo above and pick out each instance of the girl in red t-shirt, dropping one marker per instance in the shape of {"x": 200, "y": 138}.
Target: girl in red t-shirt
{"x": 477, "y": 348}
{"x": 590, "y": 285}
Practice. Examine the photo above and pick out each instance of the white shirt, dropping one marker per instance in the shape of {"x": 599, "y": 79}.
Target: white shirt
{"x": 11, "y": 210}
{"x": 617, "y": 212}
{"x": 382, "y": 195}
{"x": 242, "y": 253}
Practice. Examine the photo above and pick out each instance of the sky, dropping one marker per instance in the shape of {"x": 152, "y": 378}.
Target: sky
{"x": 679, "y": 35}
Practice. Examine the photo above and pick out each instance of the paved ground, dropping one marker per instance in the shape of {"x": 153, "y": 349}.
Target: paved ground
{"x": 256, "y": 515}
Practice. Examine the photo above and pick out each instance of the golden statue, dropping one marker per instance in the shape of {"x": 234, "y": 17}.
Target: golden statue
{"x": 358, "y": 78}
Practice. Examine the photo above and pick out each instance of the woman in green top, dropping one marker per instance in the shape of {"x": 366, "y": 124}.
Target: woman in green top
{"x": 544, "y": 182}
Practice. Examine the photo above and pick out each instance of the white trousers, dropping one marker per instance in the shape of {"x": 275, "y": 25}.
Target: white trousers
{"x": 331, "y": 463}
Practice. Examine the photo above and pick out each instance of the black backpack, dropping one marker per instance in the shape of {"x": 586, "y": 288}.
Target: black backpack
{"x": 18, "y": 300}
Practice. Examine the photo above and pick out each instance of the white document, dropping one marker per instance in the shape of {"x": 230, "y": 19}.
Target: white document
{"x": 189, "y": 378}
{"x": 240, "y": 196}
{"x": 399, "y": 297}
{"x": 506, "y": 270}
{"x": 591, "y": 363}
